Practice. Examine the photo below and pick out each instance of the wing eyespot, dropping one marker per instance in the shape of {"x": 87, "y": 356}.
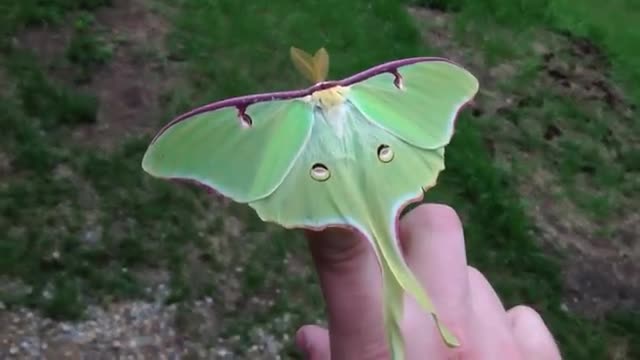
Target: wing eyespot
{"x": 320, "y": 172}
{"x": 385, "y": 153}
{"x": 246, "y": 120}
{"x": 397, "y": 79}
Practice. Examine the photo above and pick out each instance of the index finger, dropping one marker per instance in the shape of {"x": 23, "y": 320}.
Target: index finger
{"x": 351, "y": 284}
{"x": 432, "y": 238}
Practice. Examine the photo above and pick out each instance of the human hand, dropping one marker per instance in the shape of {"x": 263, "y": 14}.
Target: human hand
{"x": 432, "y": 239}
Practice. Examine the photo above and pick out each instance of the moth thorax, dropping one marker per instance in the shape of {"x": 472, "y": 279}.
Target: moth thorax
{"x": 329, "y": 98}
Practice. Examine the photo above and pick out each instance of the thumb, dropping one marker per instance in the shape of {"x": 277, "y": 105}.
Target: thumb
{"x": 313, "y": 341}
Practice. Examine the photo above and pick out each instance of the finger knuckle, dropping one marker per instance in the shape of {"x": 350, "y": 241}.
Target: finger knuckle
{"x": 474, "y": 275}
{"x": 435, "y": 216}
{"x": 532, "y": 333}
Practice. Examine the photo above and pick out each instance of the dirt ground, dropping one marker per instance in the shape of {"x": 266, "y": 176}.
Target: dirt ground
{"x": 130, "y": 85}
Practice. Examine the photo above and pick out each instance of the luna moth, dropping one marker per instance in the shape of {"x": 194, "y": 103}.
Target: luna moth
{"x": 349, "y": 153}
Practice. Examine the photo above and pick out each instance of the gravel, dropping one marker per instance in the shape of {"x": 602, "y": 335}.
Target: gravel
{"x": 130, "y": 330}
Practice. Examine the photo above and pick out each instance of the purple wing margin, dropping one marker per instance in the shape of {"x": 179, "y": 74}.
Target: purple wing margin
{"x": 242, "y": 102}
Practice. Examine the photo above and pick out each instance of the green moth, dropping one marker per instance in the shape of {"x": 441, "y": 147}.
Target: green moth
{"x": 349, "y": 153}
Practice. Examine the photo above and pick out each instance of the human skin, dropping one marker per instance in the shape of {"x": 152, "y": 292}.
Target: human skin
{"x": 432, "y": 240}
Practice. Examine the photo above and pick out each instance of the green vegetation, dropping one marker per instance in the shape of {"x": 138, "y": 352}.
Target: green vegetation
{"x": 84, "y": 225}
{"x": 86, "y": 49}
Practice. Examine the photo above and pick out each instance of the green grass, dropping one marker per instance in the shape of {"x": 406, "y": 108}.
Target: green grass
{"x": 17, "y": 15}
{"x": 84, "y": 225}
{"x": 596, "y": 138}
{"x": 87, "y": 50}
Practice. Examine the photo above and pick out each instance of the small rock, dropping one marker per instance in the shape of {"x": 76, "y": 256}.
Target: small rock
{"x": 539, "y": 48}
{"x": 222, "y": 352}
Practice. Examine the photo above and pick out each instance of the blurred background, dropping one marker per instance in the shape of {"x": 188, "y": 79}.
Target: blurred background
{"x": 100, "y": 261}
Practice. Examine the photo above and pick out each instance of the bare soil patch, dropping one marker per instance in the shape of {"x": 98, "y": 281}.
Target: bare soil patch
{"x": 602, "y": 270}
{"x": 129, "y": 87}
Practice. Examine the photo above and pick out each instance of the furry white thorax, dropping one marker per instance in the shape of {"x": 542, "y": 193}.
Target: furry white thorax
{"x": 332, "y": 106}
{"x": 339, "y": 129}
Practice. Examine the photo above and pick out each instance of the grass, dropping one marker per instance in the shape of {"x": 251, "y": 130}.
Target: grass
{"x": 87, "y": 50}
{"x": 85, "y": 225}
